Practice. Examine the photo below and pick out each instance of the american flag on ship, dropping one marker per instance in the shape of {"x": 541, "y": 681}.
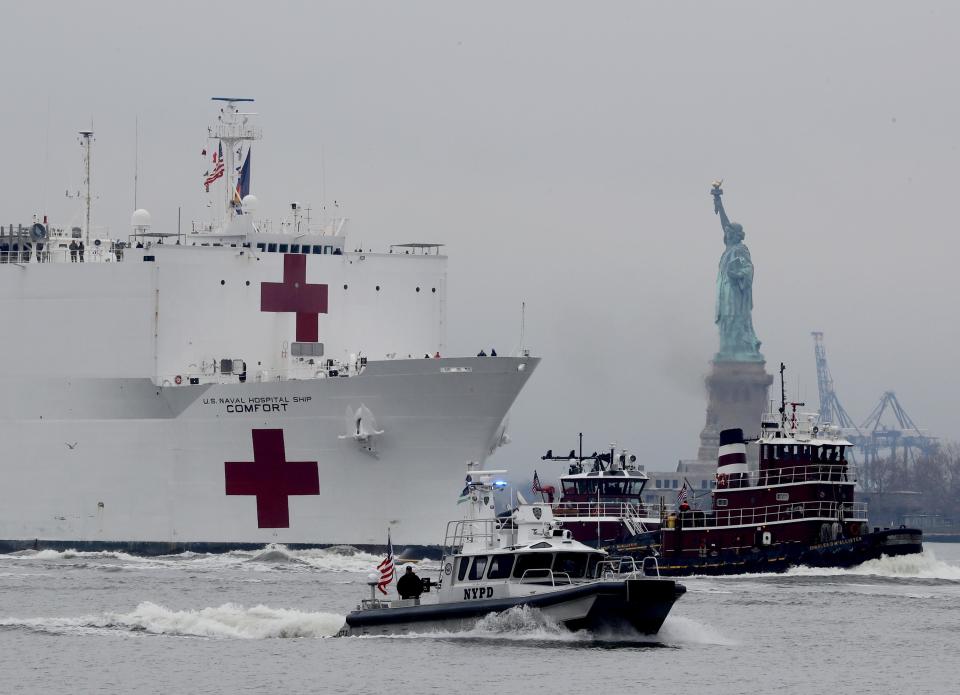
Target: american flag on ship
{"x": 386, "y": 567}
{"x": 217, "y": 168}
{"x": 536, "y": 482}
{"x": 682, "y": 495}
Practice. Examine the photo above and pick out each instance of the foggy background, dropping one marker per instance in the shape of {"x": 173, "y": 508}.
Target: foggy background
{"x": 563, "y": 152}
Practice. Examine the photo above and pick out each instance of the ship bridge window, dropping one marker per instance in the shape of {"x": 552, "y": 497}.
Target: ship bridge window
{"x": 595, "y": 559}
{"x": 305, "y": 249}
{"x": 271, "y": 248}
{"x": 588, "y": 488}
{"x": 294, "y": 248}
{"x": 328, "y": 249}
{"x": 476, "y": 569}
{"x": 573, "y": 564}
{"x": 318, "y": 249}
{"x": 534, "y": 564}
{"x": 500, "y": 566}
{"x": 284, "y": 248}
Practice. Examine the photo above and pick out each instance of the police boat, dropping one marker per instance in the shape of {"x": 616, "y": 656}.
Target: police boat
{"x": 492, "y": 564}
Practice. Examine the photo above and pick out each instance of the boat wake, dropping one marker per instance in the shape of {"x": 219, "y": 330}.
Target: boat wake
{"x": 530, "y": 625}
{"x": 923, "y": 566}
{"x": 230, "y": 621}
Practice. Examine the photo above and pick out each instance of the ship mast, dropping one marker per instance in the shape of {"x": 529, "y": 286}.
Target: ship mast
{"x": 86, "y": 142}
{"x": 232, "y": 127}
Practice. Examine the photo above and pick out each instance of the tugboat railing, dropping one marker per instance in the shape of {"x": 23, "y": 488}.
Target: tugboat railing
{"x": 812, "y": 473}
{"x": 796, "y": 511}
{"x": 616, "y": 510}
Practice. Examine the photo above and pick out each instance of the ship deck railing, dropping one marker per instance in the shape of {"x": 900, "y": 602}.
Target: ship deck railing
{"x": 544, "y": 575}
{"x": 627, "y": 568}
{"x": 809, "y": 473}
{"x": 796, "y": 511}
{"x": 91, "y": 254}
{"x": 472, "y": 532}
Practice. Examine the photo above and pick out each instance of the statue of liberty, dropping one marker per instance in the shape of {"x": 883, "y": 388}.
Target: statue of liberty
{"x": 738, "y": 342}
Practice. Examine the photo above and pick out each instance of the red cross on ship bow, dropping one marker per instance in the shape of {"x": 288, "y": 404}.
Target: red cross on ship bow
{"x": 294, "y": 294}
{"x": 271, "y": 478}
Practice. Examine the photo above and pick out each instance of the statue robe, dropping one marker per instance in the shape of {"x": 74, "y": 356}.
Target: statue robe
{"x": 738, "y": 341}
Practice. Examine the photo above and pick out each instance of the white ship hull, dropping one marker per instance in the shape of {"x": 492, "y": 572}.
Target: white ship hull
{"x": 122, "y": 463}
{"x": 233, "y": 385}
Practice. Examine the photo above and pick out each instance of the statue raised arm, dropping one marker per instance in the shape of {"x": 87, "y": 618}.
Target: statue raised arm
{"x": 717, "y": 192}
{"x": 738, "y": 341}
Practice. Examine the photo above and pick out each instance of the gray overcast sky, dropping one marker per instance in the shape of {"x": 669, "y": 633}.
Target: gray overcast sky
{"x": 563, "y": 152}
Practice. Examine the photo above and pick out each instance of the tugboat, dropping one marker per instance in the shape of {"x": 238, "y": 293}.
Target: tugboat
{"x": 492, "y": 564}
{"x": 798, "y": 508}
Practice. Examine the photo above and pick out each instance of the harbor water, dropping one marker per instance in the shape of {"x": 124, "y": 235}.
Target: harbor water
{"x": 79, "y": 622}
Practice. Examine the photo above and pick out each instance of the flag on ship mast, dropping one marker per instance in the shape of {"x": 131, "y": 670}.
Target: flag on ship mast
{"x": 217, "y": 168}
{"x": 465, "y": 492}
{"x": 243, "y": 181}
{"x": 682, "y": 496}
{"x": 386, "y": 567}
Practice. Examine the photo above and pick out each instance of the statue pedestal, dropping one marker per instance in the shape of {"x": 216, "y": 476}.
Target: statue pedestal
{"x": 738, "y": 396}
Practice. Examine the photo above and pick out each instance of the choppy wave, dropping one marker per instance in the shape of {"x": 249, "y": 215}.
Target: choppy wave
{"x": 229, "y": 620}
{"x": 333, "y": 559}
{"x": 73, "y": 554}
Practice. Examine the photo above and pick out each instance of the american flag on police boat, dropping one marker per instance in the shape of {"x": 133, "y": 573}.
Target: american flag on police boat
{"x": 682, "y": 495}
{"x": 386, "y": 568}
{"x": 217, "y": 168}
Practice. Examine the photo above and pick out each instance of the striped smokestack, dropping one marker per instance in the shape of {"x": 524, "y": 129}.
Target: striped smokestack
{"x": 732, "y": 457}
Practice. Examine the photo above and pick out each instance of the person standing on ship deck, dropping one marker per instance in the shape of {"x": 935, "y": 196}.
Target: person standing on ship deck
{"x": 409, "y": 585}
{"x": 80, "y": 250}
{"x": 73, "y": 252}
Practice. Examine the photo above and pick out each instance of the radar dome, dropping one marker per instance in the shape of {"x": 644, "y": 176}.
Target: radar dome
{"x": 249, "y": 203}
{"x": 140, "y": 218}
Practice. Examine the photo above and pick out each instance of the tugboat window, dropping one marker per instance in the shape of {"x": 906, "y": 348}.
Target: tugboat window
{"x": 476, "y": 569}
{"x": 500, "y": 566}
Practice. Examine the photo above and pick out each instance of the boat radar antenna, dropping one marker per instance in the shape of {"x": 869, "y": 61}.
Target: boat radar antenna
{"x": 783, "y": 402}
{"x": 783, "y": 397}
{"x": 232, "y": 127}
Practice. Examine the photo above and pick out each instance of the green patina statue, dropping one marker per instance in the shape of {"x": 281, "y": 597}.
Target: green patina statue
{"x": 738, "y": 342}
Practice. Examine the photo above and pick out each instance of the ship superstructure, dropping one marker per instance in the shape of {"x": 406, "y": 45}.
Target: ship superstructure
{"x": 233, "y": 385}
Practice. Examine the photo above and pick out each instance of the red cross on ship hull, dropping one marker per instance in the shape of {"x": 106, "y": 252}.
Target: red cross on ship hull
{"x": 271, "y": 478}
{"x": 295, "y": 295}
